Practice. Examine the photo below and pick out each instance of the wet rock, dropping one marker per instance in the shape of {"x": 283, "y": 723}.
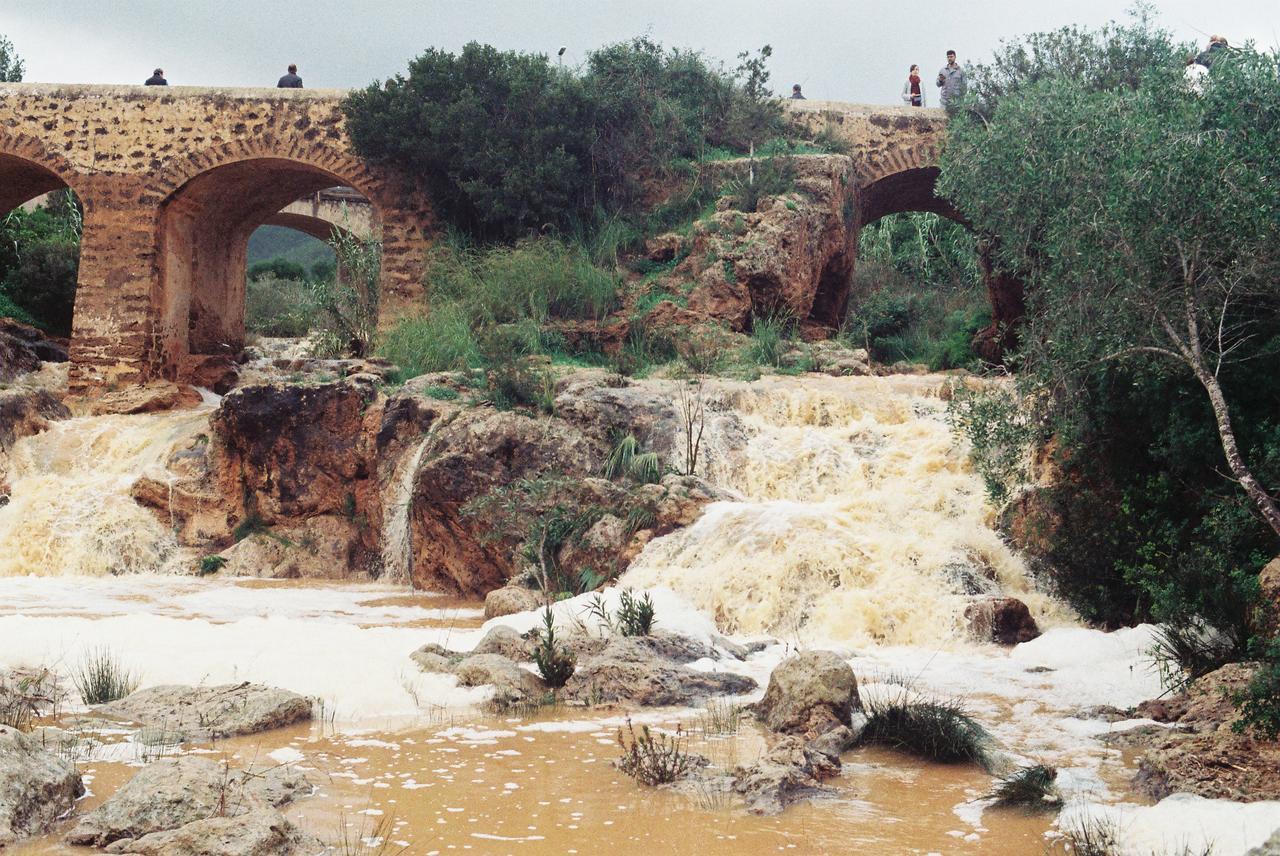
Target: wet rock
{"x": 629, "y": 670}
{"x": 23, "y": 348}
{"x": 36, "y": 786}
{"x": 1268, "y": 615}
{"x": 262, "y": 832}
{"x": 478, "y": 451}
{"x": 430, "y": 661}
{"x": 323, "y": 547}
{"x": 1203, "y": 754}
{"x": 809, "y": 692}
{"x": 504, "y": 641}
{"x": 509, "y": 600}
{"x": 191, "y": 713}
{"x": 511, "y": 684}
{"x": 150, "y": 398}
{"x": 24, "y": 412}
{"x": 1003, "y": 620}
{"x": 171, "y": 794}
{"x": 790, "y": 771}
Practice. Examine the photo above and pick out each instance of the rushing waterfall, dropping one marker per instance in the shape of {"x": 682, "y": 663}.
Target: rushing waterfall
{"x": 397, "y": 546}
{"x": 70, "y": 512}
{"x": 861, "y": 520}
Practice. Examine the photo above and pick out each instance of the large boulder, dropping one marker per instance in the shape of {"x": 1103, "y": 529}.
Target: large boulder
{"x": 505, "y": 642}
{"x": 148, "y": 398}
{"x": 171, "y": 794}
{"x": 632, "y": 670}
{"x": 1270, "y": 847}
{"x": 205, "y": 713}
{"x": 24, "y": 412}
{"x": 509, "y": 600}
{"x": 262, "y": 832}
{"x": 479, "y": 451}
{"x": 23, "y": 348}
{"x": 36, "y": 786}
{"x": 810, "y": 692}
{"x": 324, "y": 547}
{"x": 1268, "y": 614}
{"x": 1003, "y": 620}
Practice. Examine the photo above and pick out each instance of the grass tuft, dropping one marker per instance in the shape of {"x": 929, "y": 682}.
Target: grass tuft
{"x": 102, "y": 678}
{"x": 1029, "y": 787}
{"x": 940, "y": 731}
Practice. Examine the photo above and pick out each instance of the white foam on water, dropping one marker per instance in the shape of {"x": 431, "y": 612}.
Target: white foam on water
{"x": 1181, "y": 821}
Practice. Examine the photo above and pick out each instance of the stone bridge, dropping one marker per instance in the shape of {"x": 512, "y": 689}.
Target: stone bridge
{"x": 173, "y": 181}
{"x": 320, "y": 213}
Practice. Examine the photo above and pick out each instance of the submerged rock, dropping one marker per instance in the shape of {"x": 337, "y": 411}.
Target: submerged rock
{"x": 809, "y": 692}
{"x": 171, "y": 794}
{"x": 194, "y": 713}
{"x": 504, "y": 641}
{"x": 790, "y": 771}
{"x": 1270, "y": 847}
{"x": 23, "y": 348}
{"x": 36, "y": 786}
{"x": 262, "y": 832}
{"x": 632, "y": 669}
{"x": 1003, "y": 620}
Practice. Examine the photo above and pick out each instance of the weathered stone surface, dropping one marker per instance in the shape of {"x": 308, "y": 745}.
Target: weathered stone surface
{"x": 432, "y": 661}
{"x": 631, "y": 670}
{"x": 322, "y": 547}
{"x": 511, "y": 684}
{"x": 36, "y": 786}
{"x": 262, "y": 832}
{"x": 790, "y": 771}
{"x": 504, "y": 641}
{"x": 24, "y": 412}
{"x": 1268, "y": 617}
{"x": 476, "y": 452}
{"x": 809, "y": 692}
{"x": 211, "y": 712}
{"x": 509, "y": 600}
{"x": 1204, "y": 755}
{"x": 169, "y": 794}
{"x": 153, "y": 397}
{"x": 1004, "y": 620}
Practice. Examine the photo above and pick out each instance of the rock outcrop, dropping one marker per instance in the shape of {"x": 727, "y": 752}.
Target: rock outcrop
{"x": 511, "y": 684}
{"x": 24, "y": 412}
{"x": 810, "y": 692}
{"x": 205, "y": 713}
{"x": 790, "y": 771}
{"x": 172, "y": 794}
{"x": 509, "y": 600}
{"x": 36, "y": 786}
{"x": 23, "y": 348}
{"x": 1202, "y": 754}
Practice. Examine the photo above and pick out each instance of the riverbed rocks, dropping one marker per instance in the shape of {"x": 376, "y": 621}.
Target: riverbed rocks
{"x": 23, "y": 348}
{"x": 511, "y": 684}
{"x": 1202, "y": 753}
{"x": 148, "y": 398}
{"x": 24, "y": 412}
{"x": 1003, "y": 620}
{"x": 205, "y": 713}
{"x": 631, "y": 670}
{"x": 810, "y": 692}
{"x": 36, "y": 786}
{"x": 171, "y": 794}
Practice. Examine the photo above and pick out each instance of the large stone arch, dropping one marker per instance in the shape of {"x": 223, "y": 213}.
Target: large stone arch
{"x": 28, "y": 169}
{"x": 208, "y": 205}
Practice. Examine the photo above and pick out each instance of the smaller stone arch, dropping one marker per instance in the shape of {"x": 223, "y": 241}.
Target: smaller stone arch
{"x": 28, "y": 169}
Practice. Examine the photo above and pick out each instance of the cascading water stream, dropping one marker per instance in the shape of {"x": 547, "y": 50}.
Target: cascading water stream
{"x": 70, "y": 512}
{"x": 397, "y": 546}
{"x": 861, "y": 522}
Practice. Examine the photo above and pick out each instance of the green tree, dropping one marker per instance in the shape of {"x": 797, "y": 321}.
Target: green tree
{"x": 1145, "y": 219}
{"x": 11, "y": 67}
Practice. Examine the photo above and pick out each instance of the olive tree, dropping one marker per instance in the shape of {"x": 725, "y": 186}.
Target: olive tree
{"x": 11, "y": 67}
{"x": 1145, "y": 219}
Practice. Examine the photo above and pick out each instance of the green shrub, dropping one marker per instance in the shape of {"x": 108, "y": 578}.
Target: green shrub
{"x": 9, "y": 309}
{"x": 653, "y": 759}
{"x": 555, "y": 664}
{"x": 635, "y": 615}
{"x": 626, "y": 459}
{"x": 1260, "y": 701}
{"x": 769, "y": 337}
{"x": 102, "y": 678}
{"x": 212, "y": 564}
{"x": 770, "y": 176}
{"x": 347, "y": 305}
{"x": 278, "y": 307}
{"x": 277, "y": 268}
{"x": 43, "y": 282}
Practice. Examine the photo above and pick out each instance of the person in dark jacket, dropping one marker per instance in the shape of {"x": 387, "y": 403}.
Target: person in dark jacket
{"x": 290, "y": 80}
{"x": 1216, "y": 50}
{"x": 796, "y": 94}
{"x": 157, "y": 78}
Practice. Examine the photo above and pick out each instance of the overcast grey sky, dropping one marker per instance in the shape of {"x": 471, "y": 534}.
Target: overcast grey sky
{"x": 851, "y": 50}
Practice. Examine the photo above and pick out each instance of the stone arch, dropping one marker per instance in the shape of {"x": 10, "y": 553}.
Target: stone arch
{"x": 28, "y": 169}
{"x": 208, "y": 205}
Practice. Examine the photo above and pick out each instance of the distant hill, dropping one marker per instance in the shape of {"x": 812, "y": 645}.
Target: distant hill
{"x": 270, "y": 242}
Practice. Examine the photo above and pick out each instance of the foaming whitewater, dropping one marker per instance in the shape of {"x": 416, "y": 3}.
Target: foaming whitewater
{"x": 70, "y": 512}
{"x": 861, "y": 520}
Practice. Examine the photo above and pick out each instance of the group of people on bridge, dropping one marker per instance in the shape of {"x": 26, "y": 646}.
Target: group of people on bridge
{"x": 950, "y": 81}
{"x": 291, "y": 80}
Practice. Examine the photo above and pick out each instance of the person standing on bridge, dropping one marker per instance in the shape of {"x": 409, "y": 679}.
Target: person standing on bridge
{"x": 290, "y": 80}
{"x": 156, "y": 78}
{"x": 951, "y": 81}
{"x": 912, "y": 90}
{"x": 796, "y": 94}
